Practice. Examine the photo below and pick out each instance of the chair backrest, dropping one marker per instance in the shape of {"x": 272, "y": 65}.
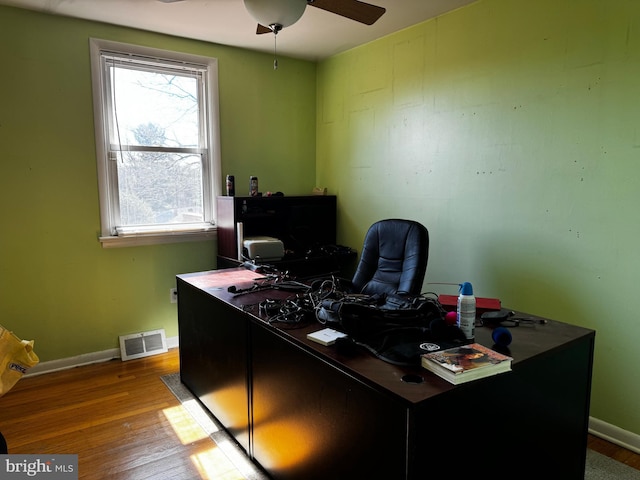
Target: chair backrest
{"x": 393, "y": 259}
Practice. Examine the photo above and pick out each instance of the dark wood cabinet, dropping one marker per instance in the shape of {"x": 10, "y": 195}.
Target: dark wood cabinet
{"x": 306, "y": 225}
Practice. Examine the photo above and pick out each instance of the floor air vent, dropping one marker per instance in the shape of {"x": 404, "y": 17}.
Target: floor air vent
{"x": 143, "y": 344}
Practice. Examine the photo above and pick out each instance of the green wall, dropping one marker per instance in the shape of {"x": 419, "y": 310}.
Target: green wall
{"x": 511, "y": 130}
{"x": 58, "y": 286}
{"x": 508, "y": 128}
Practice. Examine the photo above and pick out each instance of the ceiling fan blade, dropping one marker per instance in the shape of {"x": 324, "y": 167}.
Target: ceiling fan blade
{"x": 353, "y": 9}
{"x": 262, "y": 29}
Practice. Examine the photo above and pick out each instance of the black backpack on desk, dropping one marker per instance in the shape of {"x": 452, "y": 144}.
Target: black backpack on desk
{"x": 395, "y": 328}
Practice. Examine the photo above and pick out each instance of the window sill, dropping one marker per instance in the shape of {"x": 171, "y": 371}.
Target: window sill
{"x": 157, "y": 238}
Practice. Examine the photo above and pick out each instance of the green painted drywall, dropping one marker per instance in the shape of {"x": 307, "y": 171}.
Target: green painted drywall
{"x": 58, "y": 286}
{"x": 511, "y": 130}
{"x": 508, "y": 128}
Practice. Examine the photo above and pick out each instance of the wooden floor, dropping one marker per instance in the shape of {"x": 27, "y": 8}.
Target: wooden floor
{"x": 620, "y": 454}
{"x": 118, "y": 417}
{"x": 124, "y": 424}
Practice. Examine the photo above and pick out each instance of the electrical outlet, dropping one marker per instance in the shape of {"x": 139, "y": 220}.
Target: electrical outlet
{"x": 173, "y": 295}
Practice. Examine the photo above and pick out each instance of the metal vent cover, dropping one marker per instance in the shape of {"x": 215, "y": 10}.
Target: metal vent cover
{"x": 144, "y": 344}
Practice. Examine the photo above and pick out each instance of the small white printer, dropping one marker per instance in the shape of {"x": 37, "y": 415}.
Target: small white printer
{"x": 263, "y": 248}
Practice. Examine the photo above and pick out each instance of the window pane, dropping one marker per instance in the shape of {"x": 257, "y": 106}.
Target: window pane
{"x": 160, "y": 188}
{"x": 166, "y": 102}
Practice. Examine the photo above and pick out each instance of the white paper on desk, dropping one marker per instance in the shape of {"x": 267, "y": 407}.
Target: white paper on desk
{"x": 326, "y": 336}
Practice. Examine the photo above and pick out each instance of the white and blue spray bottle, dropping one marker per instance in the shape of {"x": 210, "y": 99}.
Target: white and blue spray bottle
{"x": 466, "y": 312}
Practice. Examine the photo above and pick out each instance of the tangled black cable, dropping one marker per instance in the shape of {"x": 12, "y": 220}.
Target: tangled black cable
{"x": 271, "y": 282}
{"x": 294, "y": 311}
{"x": 325, "y": 298}
{"x": 304, "y": 307}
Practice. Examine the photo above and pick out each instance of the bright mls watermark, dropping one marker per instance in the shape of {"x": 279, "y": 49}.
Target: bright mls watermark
{"x": 49, "y": 467}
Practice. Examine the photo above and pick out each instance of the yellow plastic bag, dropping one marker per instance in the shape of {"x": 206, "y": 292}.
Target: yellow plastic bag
{"x": 16, "y": 357}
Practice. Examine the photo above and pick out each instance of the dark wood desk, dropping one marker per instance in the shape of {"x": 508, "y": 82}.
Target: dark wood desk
{"x": 305, "y": 411}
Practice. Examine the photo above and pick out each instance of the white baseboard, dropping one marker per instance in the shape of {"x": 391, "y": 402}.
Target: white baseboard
{"x": 84, "y": 359}
{"x": 613, "y": 434}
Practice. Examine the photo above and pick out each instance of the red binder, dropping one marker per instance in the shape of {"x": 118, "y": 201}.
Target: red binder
{"x": 483, "y": 304}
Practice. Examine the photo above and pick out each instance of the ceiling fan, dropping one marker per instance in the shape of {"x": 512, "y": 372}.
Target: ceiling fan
{"x": 274, "y": 15}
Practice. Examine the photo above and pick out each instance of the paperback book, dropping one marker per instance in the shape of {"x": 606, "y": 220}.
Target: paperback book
{"x": 465, "y": 363}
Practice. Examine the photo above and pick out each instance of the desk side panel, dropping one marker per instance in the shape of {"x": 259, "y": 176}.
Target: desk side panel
{"x": 213, "y": 357}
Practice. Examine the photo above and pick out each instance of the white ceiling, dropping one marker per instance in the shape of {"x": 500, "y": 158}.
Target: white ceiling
{"x": 317, "y": 35}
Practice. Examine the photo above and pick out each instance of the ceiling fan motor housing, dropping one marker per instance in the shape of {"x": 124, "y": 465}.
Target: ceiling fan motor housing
{"x": 276, "y": 12}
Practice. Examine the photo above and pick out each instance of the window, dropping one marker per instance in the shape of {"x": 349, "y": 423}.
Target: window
{"x": 157, "y": 143}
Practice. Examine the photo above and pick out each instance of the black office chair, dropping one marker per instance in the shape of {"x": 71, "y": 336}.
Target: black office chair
{"x": 394, "y": 258}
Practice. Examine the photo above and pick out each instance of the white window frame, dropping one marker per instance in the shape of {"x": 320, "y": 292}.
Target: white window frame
{"x": 111, "y": 233}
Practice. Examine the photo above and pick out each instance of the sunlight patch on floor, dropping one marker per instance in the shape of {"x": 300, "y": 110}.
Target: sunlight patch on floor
{"x": 239, "y": 459}
{"x": 183, "y": 425}
{"x": 214, "y": 464}
{"x": 225, "y": 460}
{"x": 200, "y": 416}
